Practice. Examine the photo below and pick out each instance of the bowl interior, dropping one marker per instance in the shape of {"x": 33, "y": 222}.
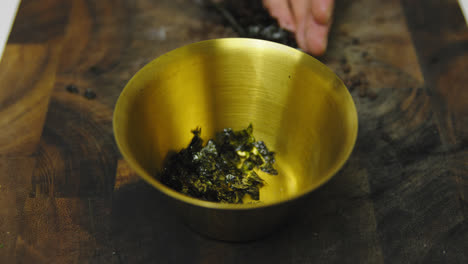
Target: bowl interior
{"x": 297, "y": 106}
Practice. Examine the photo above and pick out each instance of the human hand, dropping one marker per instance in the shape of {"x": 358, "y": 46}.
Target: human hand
{"x": 310, "y": 20}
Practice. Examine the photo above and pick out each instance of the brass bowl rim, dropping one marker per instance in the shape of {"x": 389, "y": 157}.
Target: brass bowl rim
{"x": 227, "y": 206}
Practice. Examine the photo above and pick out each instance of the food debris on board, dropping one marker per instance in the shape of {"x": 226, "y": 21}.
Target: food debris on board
{"x": 356, "y": 81}
{"x": 89, "y": 94}
{"x": 71, "y": 88}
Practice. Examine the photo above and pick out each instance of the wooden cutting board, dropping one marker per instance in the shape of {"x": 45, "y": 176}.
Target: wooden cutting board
{"x": 66, "y": 195}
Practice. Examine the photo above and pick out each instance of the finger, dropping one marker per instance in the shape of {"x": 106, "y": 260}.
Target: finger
{"x": 316, "y": 37}
{"x": 279, "y": 9}
{"x": 322, "y": 10}
{"x": 299, "y": 9}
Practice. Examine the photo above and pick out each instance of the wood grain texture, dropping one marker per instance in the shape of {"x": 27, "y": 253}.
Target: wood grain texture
{"x": 67, "y": 196}
{"x": 15, "y": 178}
{"x": 442, "y": 39}
{"x": 39, "y": 21}
{"x": 28, "y": 75}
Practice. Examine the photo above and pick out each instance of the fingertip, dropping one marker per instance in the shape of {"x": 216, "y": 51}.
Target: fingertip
{"x": 316, "y": 38}
{"x": 280, "y": 10}
{"x": 288, "y": 25}
{"x": 318, "y": 48}
{"x": 300, "y": 37}
{"x": 322, "y": 11}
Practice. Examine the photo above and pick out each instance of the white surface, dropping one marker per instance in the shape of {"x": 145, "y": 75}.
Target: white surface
{"x": 464, "y": 8}
{"x": 8, "y": 10}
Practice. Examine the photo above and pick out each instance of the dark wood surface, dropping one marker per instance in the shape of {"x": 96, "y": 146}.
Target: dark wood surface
{"x": 66, "y": 195}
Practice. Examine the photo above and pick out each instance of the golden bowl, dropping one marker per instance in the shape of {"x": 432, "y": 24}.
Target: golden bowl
{"x": 297, "y": 105}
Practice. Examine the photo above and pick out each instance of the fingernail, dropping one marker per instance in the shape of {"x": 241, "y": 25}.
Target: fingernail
{"x": 317, "y": 40}
{"x": 328, "y": 13}
{"x": 324, "y": 45}
{"x": 288, "y": 26}
{"x": 300, "y": 40}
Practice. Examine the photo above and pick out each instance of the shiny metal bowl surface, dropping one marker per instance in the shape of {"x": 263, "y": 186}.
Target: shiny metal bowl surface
{"x": 297, "y": 105}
